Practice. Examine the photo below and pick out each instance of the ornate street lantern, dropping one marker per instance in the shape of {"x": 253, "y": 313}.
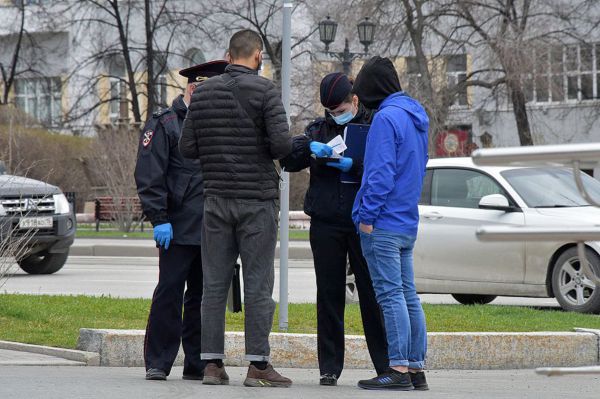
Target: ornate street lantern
{"x": 327, "y": 31}
{"x": 366, "y": 32}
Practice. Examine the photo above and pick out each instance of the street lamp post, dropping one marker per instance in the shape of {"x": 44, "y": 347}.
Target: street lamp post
{"x": 327, "y": 33}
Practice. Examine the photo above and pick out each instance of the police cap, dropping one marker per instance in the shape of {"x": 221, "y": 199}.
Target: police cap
{"x": 199, "y": 73}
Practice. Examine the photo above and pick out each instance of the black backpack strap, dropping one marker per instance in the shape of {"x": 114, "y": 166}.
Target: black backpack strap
{"x": 232, "y": 85}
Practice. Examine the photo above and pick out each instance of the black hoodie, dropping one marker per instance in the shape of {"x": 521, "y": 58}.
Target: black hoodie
{"x": 376, "y": 81}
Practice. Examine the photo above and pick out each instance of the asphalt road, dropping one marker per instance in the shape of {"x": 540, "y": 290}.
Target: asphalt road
{"x": 130, "y": 277}
{"x": 102, "y": 382}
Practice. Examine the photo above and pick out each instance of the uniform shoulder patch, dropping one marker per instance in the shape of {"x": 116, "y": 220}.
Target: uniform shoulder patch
{"x": 147, "y": 138}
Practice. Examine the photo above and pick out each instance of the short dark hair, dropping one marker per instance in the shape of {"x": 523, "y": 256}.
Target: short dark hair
{"x": 244, "y": 43}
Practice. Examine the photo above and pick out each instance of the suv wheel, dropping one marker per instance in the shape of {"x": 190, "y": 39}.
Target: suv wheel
{"x": 572, "y": 289}
{"x": 351, "y": 291}
{"x": 44, "y": 264}
{"x": 472, "y": 299}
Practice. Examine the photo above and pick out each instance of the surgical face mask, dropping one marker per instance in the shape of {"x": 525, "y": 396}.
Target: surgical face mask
{"x": 344, "y": 118}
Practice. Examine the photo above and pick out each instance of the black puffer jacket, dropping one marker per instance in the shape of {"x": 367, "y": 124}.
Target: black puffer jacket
{"x": 237, "y": 160}
{"x": 327, "y": 198}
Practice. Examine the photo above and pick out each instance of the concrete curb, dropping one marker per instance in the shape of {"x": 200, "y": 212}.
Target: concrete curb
{"x": 88, "y": 358}
{"x": 463, "y": 351}
{"x": 141, "y": 250}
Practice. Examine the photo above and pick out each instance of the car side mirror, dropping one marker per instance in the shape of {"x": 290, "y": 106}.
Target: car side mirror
{"x": 497, "y": 202}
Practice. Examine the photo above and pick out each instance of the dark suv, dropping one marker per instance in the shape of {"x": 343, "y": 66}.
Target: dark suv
{"x": 43, "y": 213}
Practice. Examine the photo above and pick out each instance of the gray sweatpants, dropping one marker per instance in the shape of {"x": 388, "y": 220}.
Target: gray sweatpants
{"x": 247, "y": 228}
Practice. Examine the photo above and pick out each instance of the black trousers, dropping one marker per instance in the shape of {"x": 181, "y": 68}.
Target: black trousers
{"x": 166, "y": 328}
{"x": 331, "y": 246}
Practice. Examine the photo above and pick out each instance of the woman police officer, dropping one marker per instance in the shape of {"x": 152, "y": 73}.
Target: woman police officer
{"x": 333, "y": 237}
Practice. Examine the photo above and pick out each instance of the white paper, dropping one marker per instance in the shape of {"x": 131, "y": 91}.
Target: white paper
{"x": 338, "y": 145}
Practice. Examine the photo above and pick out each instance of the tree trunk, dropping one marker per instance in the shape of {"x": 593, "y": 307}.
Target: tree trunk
{"x": 131, "y": 83}
{"x": 150, "y": 78}
{"x": 9, "y": 80}
{"x": 520, "y": 110}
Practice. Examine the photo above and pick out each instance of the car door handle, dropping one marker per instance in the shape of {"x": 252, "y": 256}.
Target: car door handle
{"x": 433, "y": 216}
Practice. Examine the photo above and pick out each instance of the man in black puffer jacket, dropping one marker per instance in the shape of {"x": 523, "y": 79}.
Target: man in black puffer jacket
{"x": 333, "y": 237}
{"x": 237, "y": 126}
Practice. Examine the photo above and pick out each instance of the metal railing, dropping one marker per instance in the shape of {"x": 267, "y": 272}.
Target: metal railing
{"x": 570, "y": 155}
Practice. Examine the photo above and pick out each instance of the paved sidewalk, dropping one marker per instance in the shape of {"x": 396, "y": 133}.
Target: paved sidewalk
{"x": 19, "y": 358}
{"x": 138, "y": 247}
{"x": 101, "y": 382}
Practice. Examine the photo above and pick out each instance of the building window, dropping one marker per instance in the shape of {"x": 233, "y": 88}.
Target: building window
{"x": 456, "y": 72}
{"x": 194, "y": 56}
{"x": 41, "y": 98}
{"x": 413, "y": 75}
{"x": 161, "y": 70}
{"x": 20, "y": 3}
{"x": 116, "y": 71}
{"x": 564, "y": 74}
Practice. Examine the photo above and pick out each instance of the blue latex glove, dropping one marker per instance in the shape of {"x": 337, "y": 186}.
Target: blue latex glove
{"x": 163, "y": 234}
{"x": 320, "y": 149}
{"x": 344, "y": 164}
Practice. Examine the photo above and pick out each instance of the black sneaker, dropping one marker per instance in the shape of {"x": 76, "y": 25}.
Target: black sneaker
{"x": 418, "y": 380}
{"x": 390, "y": 380}
{"x": 156, "y": 375}
{"x": 328, "y": 380}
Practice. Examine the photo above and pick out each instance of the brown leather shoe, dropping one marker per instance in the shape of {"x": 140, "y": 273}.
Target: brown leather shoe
{"x": 265, "y": 378}
{"x": 215, "y": 375}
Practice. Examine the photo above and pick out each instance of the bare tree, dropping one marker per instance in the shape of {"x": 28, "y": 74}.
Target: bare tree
{"x": 114, "y": 165}
{"x": 262, "y": 16}
{"x": 13, "y": 247}
{"x": 114, "y": 30}
{"x": 510, "y": 32}
{"x": 11, "y": 71}
{"x": 21, "y": 54}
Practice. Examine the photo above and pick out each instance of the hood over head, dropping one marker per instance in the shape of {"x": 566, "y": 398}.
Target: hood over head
{"x": 376, "y": 81}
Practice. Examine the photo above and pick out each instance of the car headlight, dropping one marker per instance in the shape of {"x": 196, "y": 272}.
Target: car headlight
{"x": 61, "y": 204}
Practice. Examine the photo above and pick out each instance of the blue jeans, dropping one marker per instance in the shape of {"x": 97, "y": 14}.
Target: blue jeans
{"x": 390, "y": 259}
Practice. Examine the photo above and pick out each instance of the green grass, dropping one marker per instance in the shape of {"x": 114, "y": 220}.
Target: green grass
{"x": 108, "y": 232}
{"x": 55, "y": 320}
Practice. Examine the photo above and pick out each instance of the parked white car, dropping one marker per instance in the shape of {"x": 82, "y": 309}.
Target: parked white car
{"x": 459, "y": 196}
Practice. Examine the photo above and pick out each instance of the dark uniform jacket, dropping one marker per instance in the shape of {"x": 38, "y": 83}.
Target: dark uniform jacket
{"x": 169, "y": 186}
{"x": 236, "y": 156}
{"x": 327, "y": 198}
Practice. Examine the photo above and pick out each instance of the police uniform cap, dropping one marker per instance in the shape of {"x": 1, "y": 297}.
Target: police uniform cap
{"x": 334, "y": 89}
{"x": 199, "y": 73}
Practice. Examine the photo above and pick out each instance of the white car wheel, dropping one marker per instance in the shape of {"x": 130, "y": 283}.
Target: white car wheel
{"x": 572, "y": 289}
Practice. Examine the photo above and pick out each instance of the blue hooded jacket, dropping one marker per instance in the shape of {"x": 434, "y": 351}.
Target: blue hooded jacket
{"x": 394, "y": 167}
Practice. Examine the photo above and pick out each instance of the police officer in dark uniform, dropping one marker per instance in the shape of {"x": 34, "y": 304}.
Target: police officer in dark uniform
{"x": 333, "y": 237}
{"x": 171, "y": 192}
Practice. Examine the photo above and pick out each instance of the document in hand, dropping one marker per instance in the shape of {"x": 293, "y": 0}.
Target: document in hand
{"x": 355, "y": 137}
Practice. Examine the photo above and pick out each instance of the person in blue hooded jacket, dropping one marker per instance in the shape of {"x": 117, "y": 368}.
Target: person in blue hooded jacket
{"x": 386, "y": 214}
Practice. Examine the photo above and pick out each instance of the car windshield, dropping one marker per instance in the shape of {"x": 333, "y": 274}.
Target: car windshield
{"x": 550, "y": 187}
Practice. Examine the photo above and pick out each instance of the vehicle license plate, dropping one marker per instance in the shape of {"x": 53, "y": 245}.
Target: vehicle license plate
{"x": 35, "y": 223}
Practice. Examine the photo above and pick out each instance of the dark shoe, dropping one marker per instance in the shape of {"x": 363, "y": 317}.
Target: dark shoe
{"x": 215, "y": 375}
{"x": 196, "y": 377}
{"x": 156, "y": 375}
{"x": 266, "y": 378}
{"x": 328, "y": 380}
{"x": 390, "y": 380}
{"x": 419, "y": 381}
